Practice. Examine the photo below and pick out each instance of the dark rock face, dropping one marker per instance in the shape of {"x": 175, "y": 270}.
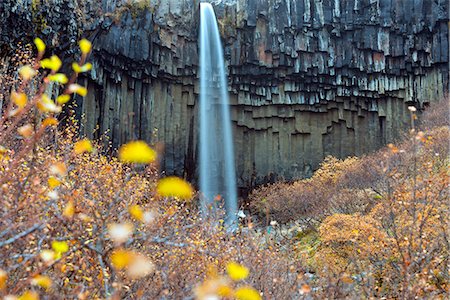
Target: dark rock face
{"x": 308, "y": 78}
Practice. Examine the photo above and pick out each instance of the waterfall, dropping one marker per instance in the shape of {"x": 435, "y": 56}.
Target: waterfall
{"x": 217, "y": 165}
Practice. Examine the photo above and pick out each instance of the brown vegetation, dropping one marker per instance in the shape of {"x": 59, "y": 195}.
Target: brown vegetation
{"x": 377, "y": 224}
{"x": 75, "y": 223}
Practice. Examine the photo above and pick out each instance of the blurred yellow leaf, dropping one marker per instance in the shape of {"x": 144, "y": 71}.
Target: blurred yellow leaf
{"x": 60, "y": 247}
{"x": 121, "y": 258}
{"x": 63, "y": 268}
{"x": 69, "y": 210}
{"x": 212, "y": 288}
{"x": 40, "y": 45}
{"x": 85, "y": 46}
{"x": 306, "y": 289}
{"x": 42, "y": 281}
{"x": 63, "y": 99}
{"x": 26, "y": 130}
{"x": 29, "y": 295}
{"x": 82, "y": 146}
{"x": 49, "y": 122}
{"x": 225, "y": 291}
{"x": 84, "y": 217}
{"x": 393, "y": 148}
{"x": 347, "y": 279}
{"x": 19, "y": 99}
{"x": 120, "y": 233}
{"x": 47, "y": 255}
{"x": 58, "y": 77}
{"x": 27, "y": 72}
{"x": 174, "y": 187}
{"x": 236, "y": 271}
{"x": 3, "y": 279}
{"x": 247, "y": 293}
{"x": 149, "y": 217}
{"x": 137, "y": 152}
{"x": 53, "y": 182}
{"x": 78, "y": 89}
{"x": 80, "y": 69}
{"x": 58, "y": 168}
{"x": 140, "y": 266}
{"x": 136, "y": 212}
{"x": 45, "y": 104}
{"x": 53, "y": 63}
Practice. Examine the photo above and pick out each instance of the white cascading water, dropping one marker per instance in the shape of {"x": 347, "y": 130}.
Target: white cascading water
{"x": 217, "y": 165}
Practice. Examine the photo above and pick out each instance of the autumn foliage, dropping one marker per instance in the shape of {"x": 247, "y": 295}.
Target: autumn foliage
{"x": 377, "y": 225}
{"x": 76, "y": 223}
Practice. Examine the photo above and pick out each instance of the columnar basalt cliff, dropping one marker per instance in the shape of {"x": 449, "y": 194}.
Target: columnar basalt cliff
{"x": 308, "y": 78}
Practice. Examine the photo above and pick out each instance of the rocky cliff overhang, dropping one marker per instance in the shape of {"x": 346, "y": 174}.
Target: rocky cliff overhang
{"x": 308, "y": 78}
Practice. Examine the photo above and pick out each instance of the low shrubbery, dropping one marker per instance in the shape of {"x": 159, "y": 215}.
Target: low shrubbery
{"x": 377, "y": 225}
{"x": 75, "y": 223}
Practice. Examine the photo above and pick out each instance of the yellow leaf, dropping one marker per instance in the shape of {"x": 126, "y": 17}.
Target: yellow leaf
{"x": 58, "y": 77}
{"x": 82, "y": 146}
{"x": 174, "y": 187}
{"x": 46, "y": 104}
{"x": 42, "y": 281}
{"x": 306, "y": 289}
{"x": 53, "y": 63}
{"x": 120, "y": 233}
{"x": 347, "y": 279}
{"x": 85, "y": 46}
{"x": 29, "y": 295}
{"x": 393, "y": 148}
{"x": 58, "y": 168}
{"x": 19, "y": 99}
{"x": 49, "y": 122}
{"x": 47, "y": 255}
{"x": 80, "y": 69}
{"x": 69, "y": 210}
{"x": 3, "y": 279}
{"x": 136, "y": 212}
{"x": 140, "y": 266}
{"x": 137, "y": 152}
{"x": 214, "y": 287}
{"x": 53, "y": 182}
{"x": 355, "y": 231}
{"x": 63, "y": 99}
{"x": 63, "y": 268}
{"x": 26, "y": 130}
{"x": 121, "y": 258}
{"x": 27, "y": 72}
{"x": 247, "y": 293}
{"x": 60, "y": 247}
{"x": 225, "y": 291}
{"x": 236, "y": 271}
{"x": 40, "y": 45}
{"x": 78, "y": 89}
{"x": 3, "y": 150}
{"x": 149, "y": 217}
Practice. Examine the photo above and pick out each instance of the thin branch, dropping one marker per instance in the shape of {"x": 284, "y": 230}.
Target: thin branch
{"x": 21, "y": 235}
